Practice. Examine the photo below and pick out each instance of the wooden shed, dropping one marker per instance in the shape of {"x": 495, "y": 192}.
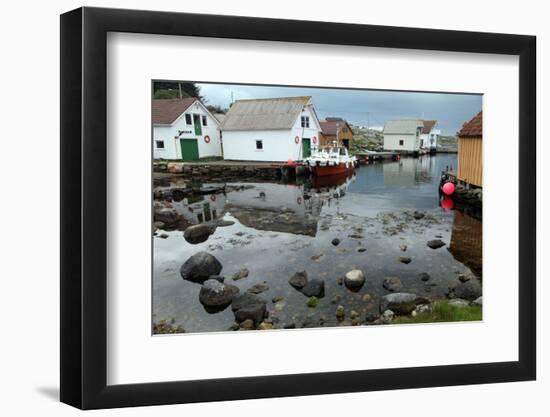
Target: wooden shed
{"x": 336, "y": 129}
{"x": 470, "y": 151}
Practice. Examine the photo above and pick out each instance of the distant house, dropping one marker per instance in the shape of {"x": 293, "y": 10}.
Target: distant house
{"x": 470, "y": 155}
{"x": 333, "y": 128}
{"x": 429, "y": 135}
{"x": 402, "y": 135}
{"x": 184, "y": 129}
{"x": 273, "y": 129}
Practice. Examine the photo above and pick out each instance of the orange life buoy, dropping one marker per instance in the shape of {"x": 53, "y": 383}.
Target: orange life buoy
{"x": 213, "y": 197}
{"x": 314, "y": 139}
{"x": 297, "y": 140}
{"x": 207, "y": 139}
{"x": 299, "y": 200}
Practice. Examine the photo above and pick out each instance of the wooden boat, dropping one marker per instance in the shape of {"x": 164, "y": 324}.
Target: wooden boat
{"x": 331, "y": 160}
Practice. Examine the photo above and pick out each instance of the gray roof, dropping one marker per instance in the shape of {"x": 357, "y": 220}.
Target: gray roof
{"x": 403, "y": 126}
{"x": 219, "y": 116}
{"x": 264, "y": 114}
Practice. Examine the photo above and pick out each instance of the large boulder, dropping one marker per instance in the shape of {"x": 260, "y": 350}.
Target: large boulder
{"x": 215, "y": 295}
{"x": 168, "y": 215}
{"x": 469, "y": 290}
{"x": 401, "y": 302}
{"x": 198, "y": 233}
{"x": 200, "y": 266}
{"x": 354, "y": 279}
{"x": 314, "y": 288}
{"x": 247, "y": 306}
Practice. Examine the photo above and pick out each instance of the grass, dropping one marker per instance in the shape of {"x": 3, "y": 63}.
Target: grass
{"x": 442, "y": 311}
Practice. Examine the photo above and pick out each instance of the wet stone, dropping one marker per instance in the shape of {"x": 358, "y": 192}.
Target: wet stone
{"x": 435, "y": 243}
{"x": 314, "y": 287}
{"x": 405, "y": 259}
{"x": 392, "y": 284}
{"x": 424, "y": 276}
{"x": 354, "y": 279}
{"x": 335, "y": 241}
{"x": 242, "y": 273}
{"x": 258, "y": 288}
{"x": 200, "y": 266}
{"x": 298, "y": 280}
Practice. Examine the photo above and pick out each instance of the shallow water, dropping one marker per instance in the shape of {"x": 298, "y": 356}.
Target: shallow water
{"x": 280, "y": 229}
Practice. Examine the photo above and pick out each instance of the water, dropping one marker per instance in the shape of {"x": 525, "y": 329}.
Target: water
{"x": 280, "y": 229}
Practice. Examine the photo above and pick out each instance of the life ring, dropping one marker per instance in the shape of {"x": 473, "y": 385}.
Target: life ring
{"x": 213, "y": 197}
{"x": 315, "y": 139}
{"x": 297, "y": 140}
{"x": 299, "y": 200}
{"x": 207, "y": 139}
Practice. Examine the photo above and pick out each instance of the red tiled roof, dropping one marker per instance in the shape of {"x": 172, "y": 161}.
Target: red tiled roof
{"x": 472, "y": 128}
{"x": 328, "y": 127}
{"x": 428, "y": 125}
{"x": 165, "y": 112}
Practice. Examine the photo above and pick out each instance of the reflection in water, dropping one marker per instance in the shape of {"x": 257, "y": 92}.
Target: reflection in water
{"x": 466, "y": 241}
{"x": 275, "y": 229}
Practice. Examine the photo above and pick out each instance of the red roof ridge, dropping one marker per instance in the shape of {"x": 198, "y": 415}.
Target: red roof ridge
{"x": 473, "y": 127}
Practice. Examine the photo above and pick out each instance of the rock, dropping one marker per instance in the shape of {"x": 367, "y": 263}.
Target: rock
{"x": 298, "y": 280}
{"x": 248, "y": 306}
{"x": 459, "y": 302}
{"x": 289, "y": 326}
{"x": 312, "y": 301}
{"x": 478, "y": 301}
{"x": 469, "y": 290}
{"x": 387, "y": 316}
{"x": 353, "y": 314}
{"x": 167, "y": 215}
{"x": 354, "y": 279}
{"x": 277, "y": 299}
{"x": 361, "y": 250}
{"x": 200, "y": 266}
{"x": 224, "y": 223}
{"x": 418, "y": 215}
{"x": 217, "y": 278}
{"x": 216, "y": 295}
{"x": 340, "y": 281}
{"x": 159, "y": 225}
{"x": 370, "y": 317}
{"x": 436, "y": 243}
{"x": 335, "y": 241}
{"x": 366, "y": 298}
{"x": 401, "y": 302}
{"x": 163, "y": 236}
{"x": 258, "y": 288}
{"x": 405, "y": 259}
{"x": 403, "y": 247}
{"x": 314, "y": 287}
{"x": 340, "y": 312}
{"x": 247, "y": 325}
{"x": 464, "y": 277}
{"x": 356, "y": 236}
{"x": 280, "y": 305}
{"x": 392, "y": 284}
{"x": 423, "y": 308}
{"x": 265, "y": 326}
{"x": 242, "y": 273}
{"x": 424, "y": 276}
{"x": 197, "y": 233}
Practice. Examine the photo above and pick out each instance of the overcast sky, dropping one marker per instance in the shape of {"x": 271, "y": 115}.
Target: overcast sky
{"x": 362, "y": 107}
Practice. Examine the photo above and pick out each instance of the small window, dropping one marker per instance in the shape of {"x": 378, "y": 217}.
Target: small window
{"x": 204, "y": 122}
{"x": 259, "y": 144}
{"x": 188, "y": 119}
{"x": 305, "y": 121}
{"x": 345, "y": 130}
{"x": 401, "y": 142}
{"x": 159, "y": 144}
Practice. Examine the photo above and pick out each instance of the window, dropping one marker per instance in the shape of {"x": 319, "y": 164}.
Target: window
{"x": 188, "y": 119}
{"x": 204, "y": 123}
{"x": 401, "y": 142}
{"x": 344, "y": 130}
{"x": 159, "y": 144}
{"x": 259, "y": 145}
{"x": 305, "y": 121}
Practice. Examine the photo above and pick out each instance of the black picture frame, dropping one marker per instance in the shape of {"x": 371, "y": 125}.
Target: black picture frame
{"x": 84, "y": 207}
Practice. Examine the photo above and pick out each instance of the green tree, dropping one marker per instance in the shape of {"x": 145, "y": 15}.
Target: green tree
{"x": 172, "y": 89}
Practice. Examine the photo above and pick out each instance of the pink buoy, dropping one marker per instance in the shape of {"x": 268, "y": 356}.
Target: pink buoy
{"x": 447, "y": 203}
{"x": 448, "y": 188}
{"x": 290, "y": 162}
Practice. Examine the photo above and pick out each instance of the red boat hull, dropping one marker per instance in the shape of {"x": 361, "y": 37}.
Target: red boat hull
{"x": 321, "y": 171}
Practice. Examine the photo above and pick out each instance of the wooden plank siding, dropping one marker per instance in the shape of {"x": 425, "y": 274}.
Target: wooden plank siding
{"x": 470, "y": 158}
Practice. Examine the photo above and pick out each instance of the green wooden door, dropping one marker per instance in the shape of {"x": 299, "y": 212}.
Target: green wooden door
{"x": 306, "y": 147}
{"x": 197, "y": 123}
{"x": 189, "y": 149}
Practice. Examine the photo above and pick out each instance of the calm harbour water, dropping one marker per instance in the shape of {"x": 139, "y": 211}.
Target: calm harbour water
{"x": 280, "y": 229}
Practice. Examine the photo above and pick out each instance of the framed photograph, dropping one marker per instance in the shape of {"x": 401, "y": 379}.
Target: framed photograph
{"x": 258, "y": 208}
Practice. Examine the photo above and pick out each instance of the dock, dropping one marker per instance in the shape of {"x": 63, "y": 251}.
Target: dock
{"x": 367, "y": 157}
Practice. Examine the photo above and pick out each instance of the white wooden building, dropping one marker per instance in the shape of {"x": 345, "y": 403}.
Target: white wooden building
{"x": 184, "y": 129}
{"x": 402, "y": 135}
{"x": 274, "y": 129}
{"x": 429, "y": 135}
